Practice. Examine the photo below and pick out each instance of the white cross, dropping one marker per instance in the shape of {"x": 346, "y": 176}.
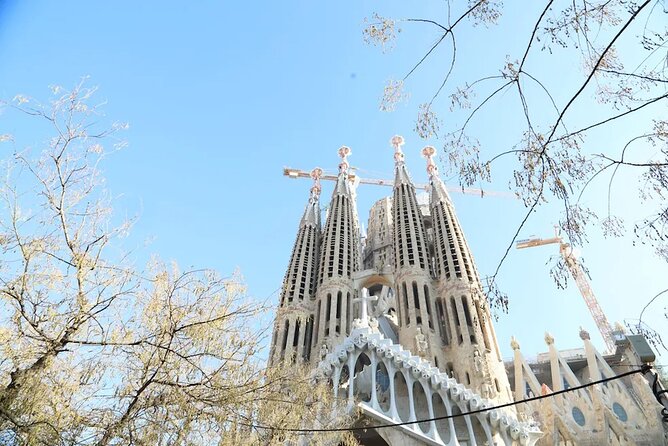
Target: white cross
{"x": 364, "y": 314}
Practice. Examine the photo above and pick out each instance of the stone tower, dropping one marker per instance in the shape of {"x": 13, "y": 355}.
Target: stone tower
{"x": 416, "y": 263}
{"x": 464, "y": 321}
{"x": 400, "y": 328}
{"x": 292, "y": 337}
{"x": 339, "y": 260}
{"x": 412, "y": 266}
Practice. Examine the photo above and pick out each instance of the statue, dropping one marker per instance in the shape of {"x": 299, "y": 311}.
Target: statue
{"x": 584, "y": 334}
{"x": 549, "y": 340}
{"x": 324, "y": 350}
{"x": 421, "y": 343}
{"x": 373, "y": 324}
{"x": 487, "y": 391}
{"x": 477, "y": 362}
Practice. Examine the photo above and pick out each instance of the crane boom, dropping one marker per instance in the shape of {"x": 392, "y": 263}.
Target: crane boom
{"x": 582, "y": 283}
{"x": 297, "y": 173}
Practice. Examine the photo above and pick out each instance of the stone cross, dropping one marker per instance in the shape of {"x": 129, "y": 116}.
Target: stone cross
{"x": 363, "y": 300}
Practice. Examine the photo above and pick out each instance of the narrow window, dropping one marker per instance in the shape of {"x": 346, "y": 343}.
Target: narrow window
{"x": 295, "y": 338}
{"x": 285, "y": 337}
{"x": 405, "y": 296}
{"x": 329, "y": 307}
{"x": 428, "y": 304}
{"x": 416, "y": 302}
{"x": 317, "y": 323}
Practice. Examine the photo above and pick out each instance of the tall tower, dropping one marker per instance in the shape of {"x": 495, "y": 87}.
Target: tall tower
{"x": 293, "y": 328}
{"x": 413, "y": 282}
{"x": 339, "y": 260}
{"x": 464, "y": 320}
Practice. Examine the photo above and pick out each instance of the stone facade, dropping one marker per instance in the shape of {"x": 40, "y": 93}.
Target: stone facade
{"x": 398, "y": 322}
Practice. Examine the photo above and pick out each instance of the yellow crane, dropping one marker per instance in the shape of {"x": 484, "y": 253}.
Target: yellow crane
{"x": 581, "y": 280}
{"x": 297, "y": 173}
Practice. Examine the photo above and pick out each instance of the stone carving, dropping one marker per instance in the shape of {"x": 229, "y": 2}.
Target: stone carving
{"x": 421, "y": 344}
{"x": 514, "y": 344}
{"x": 384, "y": 303}
{"x": 324, "y": 350}
{"x": 584, "y": 334}
{"x": 549, "y": 340}
{"x": 477, "y": 362}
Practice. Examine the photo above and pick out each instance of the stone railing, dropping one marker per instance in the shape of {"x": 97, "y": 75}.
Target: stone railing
{"x": 391, "y": 386}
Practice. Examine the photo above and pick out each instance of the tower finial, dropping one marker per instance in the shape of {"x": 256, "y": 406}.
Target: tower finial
{"x": 397, "y": 141}
{"x": 429, "y": 152}
{"x": 344, "y": 152}
{"x": 315, "y": 175}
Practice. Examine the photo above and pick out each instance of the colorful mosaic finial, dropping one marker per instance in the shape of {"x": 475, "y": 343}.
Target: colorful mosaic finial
{"x": 397, "y": 141}
{"x": 344, "y": 152}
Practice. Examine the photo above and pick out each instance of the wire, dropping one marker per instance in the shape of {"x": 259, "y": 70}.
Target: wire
{"x": 644, "y": 369}
{"x": 659, "y": 395}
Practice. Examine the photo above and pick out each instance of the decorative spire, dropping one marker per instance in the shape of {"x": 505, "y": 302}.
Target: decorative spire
{"x": 315, "y": 189}
{"x": 344, "y": 152}
{"x": 397, "y": 141}
{"x": 342, "y": 183}
{"x": 438, "y": 190}
{"x": 429, "y": 152}
{"x": 401, "y": 173}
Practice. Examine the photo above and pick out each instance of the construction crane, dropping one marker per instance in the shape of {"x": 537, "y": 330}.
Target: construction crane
{"x": 581, "y": 280}
{"x": 297, "y": 173}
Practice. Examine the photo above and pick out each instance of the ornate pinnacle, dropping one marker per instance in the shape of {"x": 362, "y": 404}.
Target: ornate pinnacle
{"x": 514, "y": 344}
{"x": 429, "y": 152}
{"x": 315, "y": 175}
{"x": 344, "y": 152}
{"x": 397, "y": 141}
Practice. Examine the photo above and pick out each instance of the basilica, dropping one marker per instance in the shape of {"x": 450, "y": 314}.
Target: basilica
{"x": 397, "y": 322}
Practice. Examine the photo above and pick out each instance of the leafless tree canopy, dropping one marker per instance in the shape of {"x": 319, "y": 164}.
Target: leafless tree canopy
{"x": 622, "y": 47}
{"x": 95, "y": 351}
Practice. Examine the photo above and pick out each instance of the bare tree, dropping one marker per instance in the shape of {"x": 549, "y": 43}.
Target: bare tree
{"x": 95, "y": 351}
{"x": 623, "y": 49}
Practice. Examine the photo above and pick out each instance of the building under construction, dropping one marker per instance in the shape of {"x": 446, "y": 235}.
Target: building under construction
{"x": 398, "y": 323}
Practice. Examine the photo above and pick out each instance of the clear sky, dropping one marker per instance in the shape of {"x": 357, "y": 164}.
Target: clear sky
{"x": 220, "y": 96}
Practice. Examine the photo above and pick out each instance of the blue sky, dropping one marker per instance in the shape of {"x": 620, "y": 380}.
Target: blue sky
{"x": 221, "y": 95}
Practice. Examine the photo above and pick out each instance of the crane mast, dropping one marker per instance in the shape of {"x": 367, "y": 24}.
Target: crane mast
{"x": 582, "y": 283}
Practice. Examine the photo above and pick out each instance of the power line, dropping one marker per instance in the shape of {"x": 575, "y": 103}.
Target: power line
{"x": 644, "y": 369}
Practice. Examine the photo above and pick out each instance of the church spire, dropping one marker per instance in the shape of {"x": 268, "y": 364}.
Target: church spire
{"x": 464, "y": 322}
{"x": 453, "y": 259}
{"x": 415, "y": 311}
{"x": 410, "y": 242}
{"x": 339, "y": 260}
{"x": 292, "y": 338}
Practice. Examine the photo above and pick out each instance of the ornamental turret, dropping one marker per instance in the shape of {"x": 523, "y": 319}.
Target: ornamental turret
{"x": 294, "y": 322}
{"x": 464, "y": 321}
{"x": 339, "y": 260}
{"x": 413, "y": 282}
